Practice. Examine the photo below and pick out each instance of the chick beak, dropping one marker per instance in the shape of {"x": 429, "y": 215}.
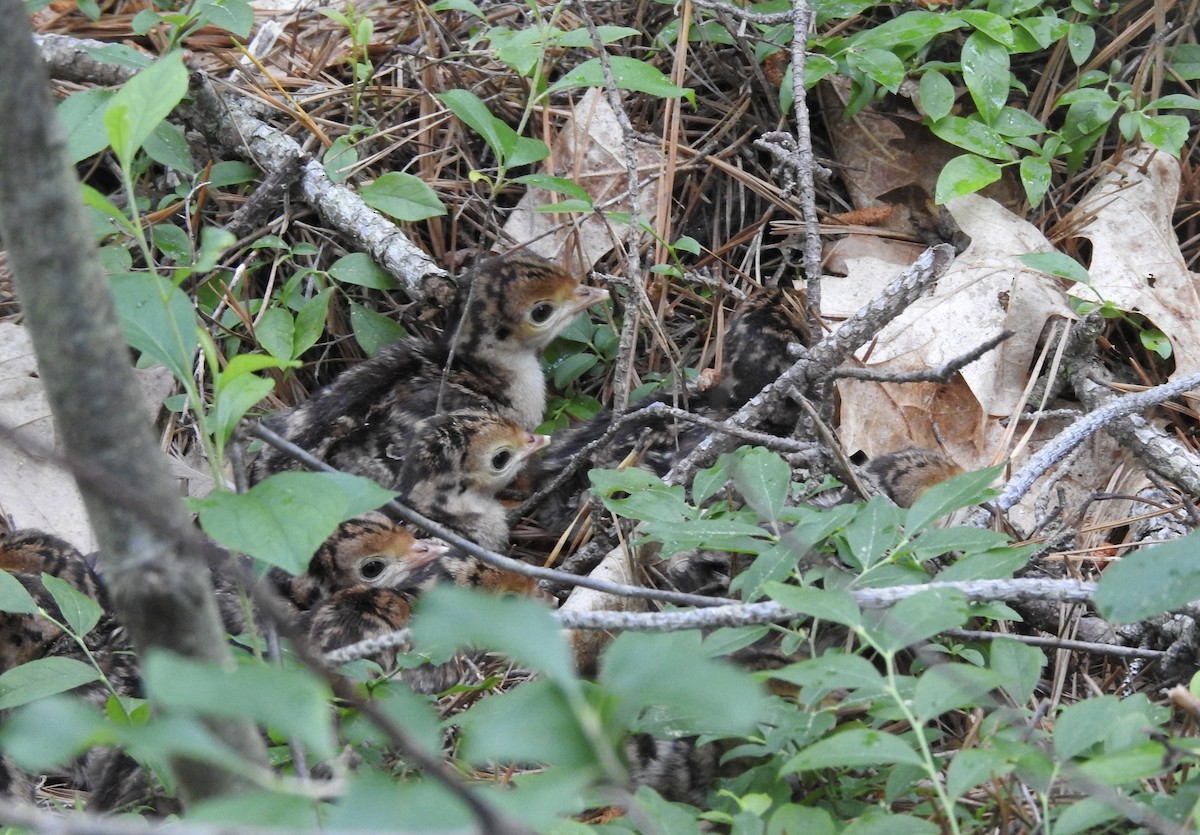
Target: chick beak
{"x": 535, "y": 442}
{"x": 586, "y": 296}
{"x": 426, "y": 551}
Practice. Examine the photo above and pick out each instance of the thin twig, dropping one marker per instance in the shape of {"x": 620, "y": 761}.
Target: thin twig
{"x": 1077, "y": 433}
{"x": 942, "y": 374}
{"x": 1056, "y": 643}
{"x": 749, "y": 614}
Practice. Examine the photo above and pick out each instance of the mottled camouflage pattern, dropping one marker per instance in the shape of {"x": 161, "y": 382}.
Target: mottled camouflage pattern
{"x": 361, "y": 422}
{"x": 903, "y": 476}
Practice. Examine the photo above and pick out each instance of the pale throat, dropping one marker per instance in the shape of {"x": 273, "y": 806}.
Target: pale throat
{"x": 527, "y": 388}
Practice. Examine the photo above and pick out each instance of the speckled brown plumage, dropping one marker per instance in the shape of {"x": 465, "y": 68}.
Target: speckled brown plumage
{"x": 756, "y": 346}
{"x": 26, "y": 555}
{"x": 457, "y": 463}
{"x": 370, "y": 550}
{"x": 904, "y": 475}
{"x": 512, "y": 307}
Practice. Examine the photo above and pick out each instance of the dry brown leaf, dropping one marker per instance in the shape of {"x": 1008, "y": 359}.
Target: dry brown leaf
{"x": 589, "y": 150}
{"x": 1136, "y": 261}
{"x": 985, "y": 291}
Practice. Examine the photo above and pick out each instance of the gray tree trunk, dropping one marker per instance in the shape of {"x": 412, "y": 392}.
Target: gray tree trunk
{"x": 158, "y": 577}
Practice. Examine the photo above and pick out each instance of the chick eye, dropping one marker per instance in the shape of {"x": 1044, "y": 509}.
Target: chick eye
{"x": 372, "y": 569}
{"x": 500, "y": 459}
{"x": 541, "y": 313}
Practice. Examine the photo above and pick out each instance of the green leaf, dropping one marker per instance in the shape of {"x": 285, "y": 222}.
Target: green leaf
{"x": 42, "y": 677}
{"x": 985, "y": 71}
{"x": 683, "y": 687}
{"x": 917, "y": 618}
{"x": 1158, "y": 579}
{"x": 158, "y": 320}
{"x": 340, "y": 158}
{"x": 972, "y": 767}
{"x": 119, "y": 54}
{"x": 708, "y": 481}
{"x": 560, "y": 185}
{"x": 167, "y": 146}
{"x": 403, "y": 197}
{"x": 855, "y": 748}
{"x": 257, "y": 809}
{"x": 1081, "y": 40}
{"x": 310, "y": 322}
{"x": 102, "y": 205}
{"x": 649, "y": 499}
{"x": 793, "y": 818}
{"x": 571, "y": 368}
{"x": 527, "y": 151}
{"x": 964, "y": 174}
{"x": 82, "y": 115}
{"x": 50, "y": 732}
{"x": 497, "y": 729}
{"x": 993, "y": 25}
{"x": 285, "y": 518}
{"x": 1035, "y": 178}
{"x": 1185, "y": 61}
{"x": 213, "y": 242}
{"x": 909, "y": 31}
{"x": 831, "y": 672}
{"x": 449, "y": 618}
{"x": 358, "y": 268}
{"x": 946, "y": 687}
{"x": 458, "y": 6}
{"x": 231, "y": 173}
{"x": 963, "y": 490}
{"x": 234, "y": 16}
{"x": 1127, "y": 766}
{"x": 763, "y": 478}
{"x": 581, "y": 37}
{"x": 142, "y": 103}
{"x": 1055, "y": 263}
{"x": 1167, "y": 133}
{"x": 874, "y": 532}
{"x": 826, "y": 604}
{"x": 14, "y": 597}
{"x": 471, "y": 109}
{"x": 276, "y": 332}
{"x": 373, "y": 330}
{"x": 936, "y": 95}
{"x": 293, "y": 701}
{"x": 972, "y": 135}
{"x": 81, "y": 612}
{"x": 724, "y": 533}
{"x": 628, "y": 74}
{"x": 237, "y": 397}
{"x": 881, "y": 65}
{"x": 935, "y": 542}
{"x": 1019, "y": 667}
{"x": 411, "y": 805}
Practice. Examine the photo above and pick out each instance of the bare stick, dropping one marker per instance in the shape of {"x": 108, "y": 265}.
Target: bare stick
{"x": 1077, "y": 433}
{"x": 749, "y": 614}
{"x": 1057, "y": 643}
{"x": 942, "y": 374}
